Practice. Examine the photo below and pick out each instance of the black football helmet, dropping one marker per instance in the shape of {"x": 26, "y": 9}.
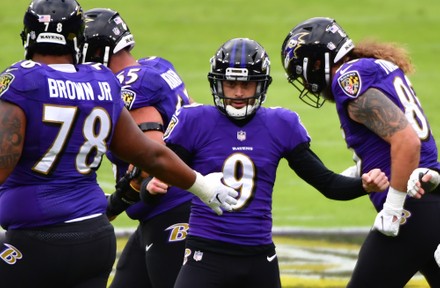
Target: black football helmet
{"x": 53, "y": 27}
{"x": 240, "y": 59}
{"x": 308, "y": 53}
{"x": 106, "y": 34}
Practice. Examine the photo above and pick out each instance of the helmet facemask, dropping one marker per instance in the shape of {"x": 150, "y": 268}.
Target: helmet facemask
{"x": 223, "y": 102}
{"x": 312, "y": 80}
{"x": 96, "y": 51}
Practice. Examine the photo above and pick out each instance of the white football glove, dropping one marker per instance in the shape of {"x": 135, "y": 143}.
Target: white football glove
{"x": 416, "y": 177}
{"x": 351, "y": 171}
{"x": 437, "y": 255}
{"x": 355, "y": 170}
{"x": 388, "y": 220}
{"x": 213, "y": 192}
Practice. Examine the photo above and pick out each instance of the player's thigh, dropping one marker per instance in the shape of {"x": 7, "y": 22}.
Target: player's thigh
{"x": 131, "y": 270}
{"x": 265, "y": 271}
{"x": 164, "y": 243}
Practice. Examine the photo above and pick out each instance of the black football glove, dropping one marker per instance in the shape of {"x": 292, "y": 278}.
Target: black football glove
{"x": 124, "y": 195}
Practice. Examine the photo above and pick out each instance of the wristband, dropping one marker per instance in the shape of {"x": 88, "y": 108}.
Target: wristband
{"x": 395, "y": 198}
{"x": 146, "y": 196}
{"x": 199, "y": 187}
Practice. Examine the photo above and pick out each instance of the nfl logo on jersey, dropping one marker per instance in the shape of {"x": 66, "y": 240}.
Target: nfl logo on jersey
{"x": 241, "y": 135}
{"x": 198, "y": 255}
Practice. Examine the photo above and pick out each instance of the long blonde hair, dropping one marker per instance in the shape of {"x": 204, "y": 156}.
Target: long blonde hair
{"x": 370, "y": 48}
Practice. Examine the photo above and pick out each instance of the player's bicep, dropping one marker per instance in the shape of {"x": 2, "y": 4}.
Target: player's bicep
{"x": 12, "y": 133}
{"x": 378, "y": 113}
{"x": 150, "y": 117}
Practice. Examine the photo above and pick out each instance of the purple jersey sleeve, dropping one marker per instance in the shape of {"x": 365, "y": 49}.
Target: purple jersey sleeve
{"x": 352, "y": 80}
{"x": 153, "y": 83}
{"x": 248, "y": 156}
{"x": 70, "y": 117}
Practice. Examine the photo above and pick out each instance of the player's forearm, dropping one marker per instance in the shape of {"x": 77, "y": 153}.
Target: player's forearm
{"x": 310, "y": 168}
{"x": 405, "y": 157}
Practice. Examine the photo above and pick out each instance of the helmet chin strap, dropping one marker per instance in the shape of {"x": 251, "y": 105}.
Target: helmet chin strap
{"x": 327, "y": 68}
{"x": 304, "y": 68}
{"x": 26, "y": 45}
{"x": 84, "y": 52}
{"x": 106, "y": 55}
{"x": 77, "y": 50}
{"x": 239, "y": 113}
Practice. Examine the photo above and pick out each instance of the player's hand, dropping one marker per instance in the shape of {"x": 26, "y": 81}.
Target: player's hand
{"x": 388, "y": 219}
{"x": 422, "y": 180}
{"x": 213, "y": 192}
{"x": 155, "y": 186}
{"x": 152, "y": 190}
{"x": 375, "y": 181}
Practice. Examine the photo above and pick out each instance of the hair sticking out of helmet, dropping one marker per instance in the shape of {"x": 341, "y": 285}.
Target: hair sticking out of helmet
{"x": 308, "y": 53}
{"x": 106, "y": 33}
{"x": 53, "y": 27}
{"x": 239, "y": 59}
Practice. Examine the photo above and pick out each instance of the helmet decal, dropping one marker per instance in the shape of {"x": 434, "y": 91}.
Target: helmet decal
{"x": 294, "y": 43}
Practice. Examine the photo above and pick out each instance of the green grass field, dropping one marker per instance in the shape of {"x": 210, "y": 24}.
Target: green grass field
{"x": 188, "y": 32}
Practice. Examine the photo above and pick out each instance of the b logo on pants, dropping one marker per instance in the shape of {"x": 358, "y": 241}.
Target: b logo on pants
{"x": 10, "y": 254}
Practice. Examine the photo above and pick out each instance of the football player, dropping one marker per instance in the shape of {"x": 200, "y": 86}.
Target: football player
{"x": 384, "y": 124}
{"x": 246, "y": 142}
{"x": 58, "y": 118}
{"x": 153, "y": 91}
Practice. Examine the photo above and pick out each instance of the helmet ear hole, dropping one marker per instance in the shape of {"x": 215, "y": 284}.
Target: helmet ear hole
{"x": 240, "y": 59}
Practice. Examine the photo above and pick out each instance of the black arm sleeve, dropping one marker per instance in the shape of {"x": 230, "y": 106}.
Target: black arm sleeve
{"x": 310, "y": 168}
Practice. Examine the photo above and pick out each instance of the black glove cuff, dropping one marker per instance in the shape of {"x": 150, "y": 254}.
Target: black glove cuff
{"x": 120, "y": 200}
{"x": 146, "y": 196}
{"x": 115, "y": 205}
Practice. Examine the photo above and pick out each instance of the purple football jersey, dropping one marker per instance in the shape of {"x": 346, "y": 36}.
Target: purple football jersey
{"x": 154, "y": 83}
{"x": 353, "y": 79}
{"x": 247, "y": 155}
{"x": 71, "y": 112}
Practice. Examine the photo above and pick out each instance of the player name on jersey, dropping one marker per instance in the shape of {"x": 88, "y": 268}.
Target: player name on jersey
{"x": 78, "y": 90}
